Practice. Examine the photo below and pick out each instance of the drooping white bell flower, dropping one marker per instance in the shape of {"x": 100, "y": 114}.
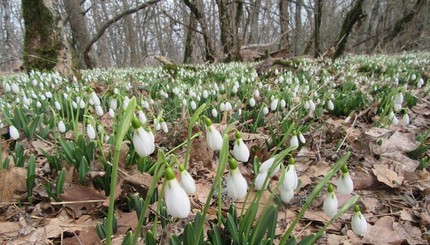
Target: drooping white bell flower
{"x": 213, "y": 136}
{"x": 397, "y": 107}
{"x": 294, "y": 141}
{"x": 237, "y": 186}
{"x": 420, "y": 83}
{"x": 143, "y": 141}
{"x": 38, "y": 104}
{"x": 306, "y": 105}
{"x": 330, "y": 105}
{"x": 330, "y": 205}
{"x": 274, "y": 104}
{"x": 290, "y": 179}
{"x": 193, "y": 105}
{"x": 302, "y": 138}
{"x": 99, "y": 110}
{"x": 142, "y": 117}
{"x": 398, "y": 98}
{"x": 240, "y": 150}
{"x": 395, "y": 121}
{"x": 265, "y": 110}
{"x": 13, "y": 132}
{"x": 344, "y": 184}
{"x": 61, "y": 127}
{"x": 263, "y": 172}
{"x": 111, "y": 112}
{"x": 164, "y": 127}
{"x": 286, "y": 195}
{"x": 91, "y": 132}
{"x": 283, "y": 103}
{"x": 187, "y": 181}
{"x": 228, "y": 106}
{"x": 358, "y": 222}
{"x": 405, "y": 118}
{"x": 311, "y": 105}
{"x": 252, "y": 102}
{"x": 177, "y": 202}
{"x": 57, "y": 105}
{"x": 113, "y": 104}
{"x": 15, "y": 88}
{"x": 214, "y": 112}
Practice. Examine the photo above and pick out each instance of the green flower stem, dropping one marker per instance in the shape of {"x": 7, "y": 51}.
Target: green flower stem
{"x": 336, "y": 167}
{"x": 190, "y": 131}
{"x": 163, "y": 187}
{"x": 157, "y": 176}
{"x": 123, "y": 129}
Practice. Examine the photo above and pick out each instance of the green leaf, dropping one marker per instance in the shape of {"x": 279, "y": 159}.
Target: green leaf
{"x": 83, "y": 170}
{"x": 150, "y": 238}
{"x": 267, "y": 221}
{"x": 174, "y": 240}
{"x": 101, "y": 231}
{"x": 189, "y": 234}
{"x": 309, "y": 240}
{"x": 31, "y": 176}
{"x": 216, "y": 235}
{"x": 60, "y": 182}
{"x": 232, "y": 227}
{"x": 291, "y": 241}
{"x": 33, "y": 126}
{"x": 127, "y": 238}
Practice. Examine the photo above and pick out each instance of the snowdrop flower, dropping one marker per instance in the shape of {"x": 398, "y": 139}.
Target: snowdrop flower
{"x": 177, "y": 202}
{"x": 222, "y": 106}
{"x": 61, "y": 127}
{"x": 236, "y": 183}
{"x": 125, "y": 102}
{"x": 213, "y": 136}
{"x": 306, "y": 105}
{"x": 15, "y": 88}
{"x": 193, "y": 105}
{"x": 91, "y": 132}
{"x": 13, "y": 132}
{"x": 57, "y": 105}
{"x": 252, "y": 102}
{"x": 265, "y": 110}
{"x": 7, "y": 87}
{"x": 294, "y": 141}
{"x": 405, "y": 118}
{"x": 398, "y": 98}
{"x": 311, "y": 105}
{"x": 330, "y": 205}
{"x": 240, "y": 150}
{"x": 111, "y": 113}
{"x": 330, "y": 105}
{"x": 420, "y": 83}
{"x": 286, "y": 195}
{"x": 302, "y": 138}
{"x": 413, "y": 77}
{"x": 38, "y": 104}
{"x": 142, "y": 117}
{"x": 143, "y": 141}
{"x": 358, "y": 222}
{"x": 263, "y": 172}
{"x": 75, "y": 106}
{"x": 228, "y": 106}
{"x": 395, "y": 121}
{"x": 113, "y": 104}
{"x": 290, "y": 179}
{"x": 283, "y": 103}
{"x": 274, "y": 104}
{"x": 256, "y": 93}
{"x": 214, "y": 112}
{"x": 99, "y": 110}
{"x": 344, "y": 184}
{"x": 164, "y": 127}
{"x": 95, "y": 98}
{"x": 187, "y": 182}
{"x": 205, "y": 94}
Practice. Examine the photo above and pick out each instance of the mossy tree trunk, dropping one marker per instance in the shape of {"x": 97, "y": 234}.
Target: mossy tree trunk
{"x": 45, "y": 45}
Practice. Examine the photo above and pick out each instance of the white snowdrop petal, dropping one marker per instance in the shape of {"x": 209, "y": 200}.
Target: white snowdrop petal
{"x": 177, "y": 202}
{"x": 359, "y": 224}
{"x": 345, "y": 186}
{"x": 187, "y": 183}
{"x": 330, "y": 205}
{"x": 13, "y": 132}
{"x": 240, "y": 151}
{"x": 236, "y": 185}
{"x": 214, "y": 138}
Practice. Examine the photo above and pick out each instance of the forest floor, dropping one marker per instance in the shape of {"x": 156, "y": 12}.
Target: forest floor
{"x": 389, "y": 174}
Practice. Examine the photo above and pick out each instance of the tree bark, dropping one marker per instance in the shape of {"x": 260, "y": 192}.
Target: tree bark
{"x": 317, "y": 21}
{"x": 45, "y": 45}
{"x": 199, "y": 14}
{"x": 355, "y": 15}
{"x": 189, "y": 38}
{"x": 79, "y": 27}
{"x": 229, "y": 36}
{"x": 284, "y": 17}
{"x": 298, "y": 25}
{"x": 255, "y": 13}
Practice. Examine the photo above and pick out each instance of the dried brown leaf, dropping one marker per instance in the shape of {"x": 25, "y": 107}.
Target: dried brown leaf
{"x": 12, "y": 181}
{"x": 387, "y": 176}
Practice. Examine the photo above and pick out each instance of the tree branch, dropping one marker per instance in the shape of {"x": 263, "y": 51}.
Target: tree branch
{"x": 110, "y": 22}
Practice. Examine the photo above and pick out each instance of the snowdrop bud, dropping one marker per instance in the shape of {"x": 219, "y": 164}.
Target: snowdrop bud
{"x": 240, "y": 150}
{"x": 113, "y": 104}
{"x": 413, "y": 77}
{"x": 274, "y": 104}
{"x": 82, "y": 104}
{"x": 252, "y": 102}
{"x": 177, "y": 202}
{"x": 290, "y": 179}
{"x": 311, "y": 105}
{"x": 91, "y": 132}
{"x": 75, "y": 106}
{"x": 302, "y": 138}
{"x": 259, "y": 180}
{"x": 57, "y": 105}
{"x": 164, "y": 126}
{"x": 15, "y": 88}
{"x": 405, "y": 119}
{"x": 193, "y": 105}
{"x": 228, "y": 106}
{"x": 111, "y": 113}
{"x": 13, "y": 132}
{"x": 99, "y": 110}
{"x": 330, "y": 205}
{"x": 306, "y": 105}
{"x": 286, "y": 195}
{"x": 214, "y": 112}
{"x": 294, "y": 141}
{"x": 222, "y": 106}
{"x": 157, "y": 125}
{"x": 420, "y": 83}
{"x": 142, "y": 117}
{"x": 38, "y": 104}
{"x": 344, "y": 184}
{"x": 187, "y": 181}
{"x": 61, "y": 127}
{"x": 398, "y": 98}
{"x": 256, "y": 93}
{"x": 391, "y": 115}
{"x": 236, "y": 183}
{"x": 48, "y": 94}
{"x": 145, "y": 104}
{"x": 95, "y": 98}
{"x": 265, "y": 110}
{"x": 283, "y": 103}
{"x": 143, "y": 141}
{"x": 395, "y": 121}
{"x": 234, "y": 89}
{"x": 358, "y": 222}
{"x": 213, "y": 136}
{"x": 205, "y": 94}
{"x": 7, "y": 87}
{"x": 330, "y": 105}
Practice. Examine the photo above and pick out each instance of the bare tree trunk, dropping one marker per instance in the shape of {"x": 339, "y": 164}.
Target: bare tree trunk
{"x": 79, "y": 27}
{"x": 318, "y": 15}
{"x": 10, "y": 49}
{"x": 45, "y": 45}
{"x": 199, "y": 14}
{"x": 298, "y": 20}
{"x": 229, "y": 40}
{"x": 189, "y": 38}
{"x": 131, "y": 34}
{"x": 284, "y": 17}
{"x": 355, "y": 15}
{"x": 254, "y": 14}
{"x": 103, "y": 56}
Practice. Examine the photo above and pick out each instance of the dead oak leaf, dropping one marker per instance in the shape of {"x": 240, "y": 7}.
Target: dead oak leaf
{"x": 387, "y": 176}
{"x": 12, "y": 181}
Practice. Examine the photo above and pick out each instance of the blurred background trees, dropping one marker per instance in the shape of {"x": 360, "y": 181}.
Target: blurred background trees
{"x": 133, "y": 33}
